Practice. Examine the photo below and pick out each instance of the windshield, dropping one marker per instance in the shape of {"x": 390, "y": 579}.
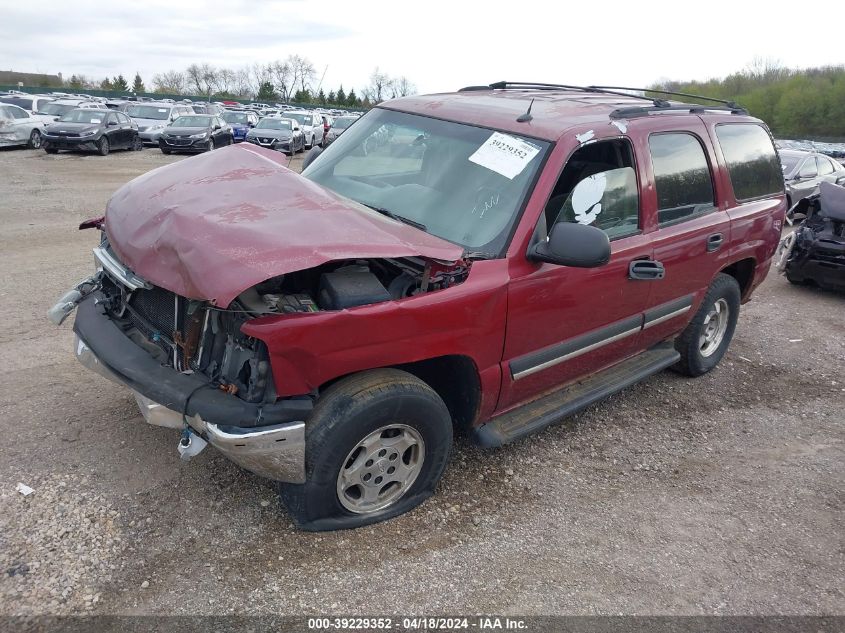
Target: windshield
{"x": 148, "y": 112}
{"x": 300, "y": 118}
{"x": 465, "y": 184}
{"x": 344, "y": 122}
{"x": 274, "y": 124}
{"x": 789, "y": 162}
{"x": 192, "y": 121}
{"x": 235, "y": 117}
{"x": 83, "y": 116}
{"x": 55, "y": 109}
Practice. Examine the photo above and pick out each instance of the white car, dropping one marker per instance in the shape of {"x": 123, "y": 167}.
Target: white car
{"x": 31, "y": 103}
{"x": 19, "y": 127}
{"x": 311, "y": 124}
{"x": 51, "y": 111}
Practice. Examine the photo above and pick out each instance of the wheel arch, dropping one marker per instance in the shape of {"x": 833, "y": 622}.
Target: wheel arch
{"x": 743, "y": 272}
{"x": 454, "y": 378}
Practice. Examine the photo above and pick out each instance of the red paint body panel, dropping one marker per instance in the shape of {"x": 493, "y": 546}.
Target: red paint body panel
{"x": 307, "y": 350}
{"x": 211, "y": 226}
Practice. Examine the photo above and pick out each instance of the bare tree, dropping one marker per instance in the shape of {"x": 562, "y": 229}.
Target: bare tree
{"x": 225, "y": 80}
{"x": 380, "y": 85}
{"x": 261, "y": 74}
{"x": 242, "y": 84}
{"x": 282, "y": 79}
{"x": 302, "y": 71}
{"x": 170, "y": 82}
{"x": 402, "y": 87}
{"x": 766, "y": 68}
{"x": 202, "y": 78}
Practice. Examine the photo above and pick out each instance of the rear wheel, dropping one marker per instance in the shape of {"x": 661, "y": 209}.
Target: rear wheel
{"x": 376, "y": 446}
{"x": 103, "y": 146}
{"x": 706, "y": 338}
{"x": 34, "y": 140}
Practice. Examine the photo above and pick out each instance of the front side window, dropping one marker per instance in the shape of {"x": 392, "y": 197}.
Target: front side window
{"x": 751, "y": 159}
{"x": 808, "y": 168}
{"x": 598, "y": 187}
{"x": 681, "y": 176}
{"x": 462, "y": 183}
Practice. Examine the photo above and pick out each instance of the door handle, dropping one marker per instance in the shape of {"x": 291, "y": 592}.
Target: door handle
{"x": 646, "y": 269}
{"x": 714, "y": 242}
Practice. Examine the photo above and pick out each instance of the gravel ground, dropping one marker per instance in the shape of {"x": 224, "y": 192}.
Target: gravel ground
{"x": 719, "y": 495}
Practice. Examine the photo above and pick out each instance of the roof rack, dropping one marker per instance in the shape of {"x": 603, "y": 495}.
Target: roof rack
{"x": 658, "y": 105}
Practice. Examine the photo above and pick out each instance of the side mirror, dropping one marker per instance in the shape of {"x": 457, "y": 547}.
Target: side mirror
{"x": 251, "y": 124}
{"x": 296, "y": 129}
{"x": 571, "y": 244}
{"x": 111, "y": 123}
{"x": 312, "y": 154}
{"x": 217, "y": 126}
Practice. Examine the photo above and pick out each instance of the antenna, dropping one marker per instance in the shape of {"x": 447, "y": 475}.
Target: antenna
{"x": 524, "y": 118}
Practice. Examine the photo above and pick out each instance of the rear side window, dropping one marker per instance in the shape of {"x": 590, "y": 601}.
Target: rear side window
{"x": 825, "y": 167}
{"x": 751, "y": 159}
{"x": 681, "y": 176}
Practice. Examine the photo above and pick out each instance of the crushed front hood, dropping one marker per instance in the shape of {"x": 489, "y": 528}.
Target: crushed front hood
{"x": 212, "y": 226}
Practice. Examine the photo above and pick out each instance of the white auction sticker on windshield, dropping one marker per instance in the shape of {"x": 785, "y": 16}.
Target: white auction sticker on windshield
{"x": 506, "y": 155}
{"x": 162, "y": 109}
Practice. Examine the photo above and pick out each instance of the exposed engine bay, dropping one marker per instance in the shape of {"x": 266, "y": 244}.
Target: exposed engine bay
{"x": 198, "y": 336}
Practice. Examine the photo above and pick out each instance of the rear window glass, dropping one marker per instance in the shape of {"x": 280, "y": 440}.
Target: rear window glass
{"x": 751, "y": 159}
{"x": 681, "y": 176}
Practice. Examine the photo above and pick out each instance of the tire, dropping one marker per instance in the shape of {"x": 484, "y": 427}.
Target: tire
{"x": 51, "y": 150}
{"x": 103, "y": 146}
{"x": 700, "y": 354}
{"x": 380, "y": 406}
{"x": 164, "y": 150}
{"x": 211, "y": 145}
{"x": 34, "y": 140}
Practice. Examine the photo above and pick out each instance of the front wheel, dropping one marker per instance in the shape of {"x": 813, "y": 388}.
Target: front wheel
{"x": 103, "y": 146}
{"x": 210, "y": 144}
{"x": 34, "y": 140}
{"x": 707, "y": 337}
{"x": 376, "y": 443}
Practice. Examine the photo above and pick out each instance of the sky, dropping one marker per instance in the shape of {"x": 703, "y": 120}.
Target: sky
{"x": 440, "y": 46}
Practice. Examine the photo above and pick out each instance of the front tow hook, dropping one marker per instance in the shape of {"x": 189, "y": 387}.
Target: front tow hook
{"x": 68, "y": 302}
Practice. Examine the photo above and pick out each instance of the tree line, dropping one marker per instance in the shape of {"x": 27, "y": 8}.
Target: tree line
{"x": 293, "y": 79}
{"x": 803, "y": 104}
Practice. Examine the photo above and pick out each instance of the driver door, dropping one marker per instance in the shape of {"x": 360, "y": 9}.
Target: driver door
{"x": 565, "y": 323}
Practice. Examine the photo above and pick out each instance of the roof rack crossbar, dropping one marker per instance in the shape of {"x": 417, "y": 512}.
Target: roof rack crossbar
{"x": 657, "y": 104}
{"x": 639, "y": 111}
{"x": 534, "y": 85}
{"x": 730, "y": 104}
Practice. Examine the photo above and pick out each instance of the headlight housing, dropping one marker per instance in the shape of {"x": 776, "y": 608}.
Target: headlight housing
{"x": 200, "y": 135}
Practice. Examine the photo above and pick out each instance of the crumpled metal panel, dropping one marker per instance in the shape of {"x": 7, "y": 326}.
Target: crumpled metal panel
{"x": 212, "y": 226}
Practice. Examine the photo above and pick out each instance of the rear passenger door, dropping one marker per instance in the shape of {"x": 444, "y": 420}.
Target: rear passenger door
{"x": 690, "y": 231}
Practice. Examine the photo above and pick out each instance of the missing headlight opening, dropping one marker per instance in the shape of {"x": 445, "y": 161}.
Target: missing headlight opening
{"x": 197, "y": 336}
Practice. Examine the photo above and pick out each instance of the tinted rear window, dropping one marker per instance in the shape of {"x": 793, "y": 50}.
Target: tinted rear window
{"x": 752, "y": 162}
{"x": 682, "y": 177}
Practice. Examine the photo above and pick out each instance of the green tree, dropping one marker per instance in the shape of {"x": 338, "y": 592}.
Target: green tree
{"x": 351, "y": 99}
{"x": 321, "y": 97}
{"x": 75, "y": 82}
{"x": 138, "y": 85}
{"x": 266, "y": 92}
{"x": 341, "y": 96}
{"x": 331, "y": 98}
{"x": 302, "y": 96}
{"x": 106, "y": 84}
{"x": 119, "y": 83}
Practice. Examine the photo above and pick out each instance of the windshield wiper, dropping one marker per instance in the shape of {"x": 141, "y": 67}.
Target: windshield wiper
{"x": 397, "y": 217}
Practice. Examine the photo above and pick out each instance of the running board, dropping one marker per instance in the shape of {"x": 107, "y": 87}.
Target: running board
{"x": 554, "y": 407}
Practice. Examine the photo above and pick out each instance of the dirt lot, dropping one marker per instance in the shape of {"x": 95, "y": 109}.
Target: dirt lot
{"x": 720, "y": 495}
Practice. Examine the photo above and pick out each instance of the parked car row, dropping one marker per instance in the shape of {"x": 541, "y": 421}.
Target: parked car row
{"x": 78, "y": 122}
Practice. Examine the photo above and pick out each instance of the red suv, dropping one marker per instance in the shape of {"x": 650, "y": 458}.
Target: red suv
{"x": 485, "y": 262}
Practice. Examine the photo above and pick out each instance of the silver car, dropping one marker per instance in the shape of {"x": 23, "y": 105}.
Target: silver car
{"x": 153, "y": 118}
{"x": 19, "y": 127}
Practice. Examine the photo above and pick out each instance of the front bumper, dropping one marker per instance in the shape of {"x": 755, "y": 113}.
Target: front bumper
{"x": 69, "y": 142}
{"x": 184, "y": 145}
{"x": 150, "y": 138}
{"x": 267, "y": 439}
